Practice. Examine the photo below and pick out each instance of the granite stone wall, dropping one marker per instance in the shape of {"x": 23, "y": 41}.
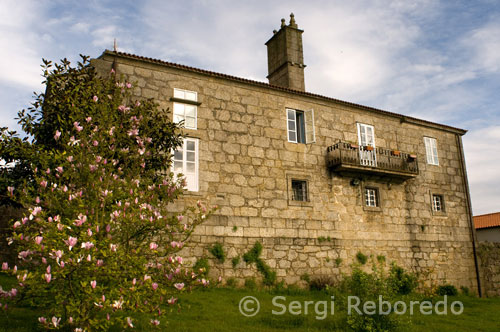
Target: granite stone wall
{"x": 246, "y": 165}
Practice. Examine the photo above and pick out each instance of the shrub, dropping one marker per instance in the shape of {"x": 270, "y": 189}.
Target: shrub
{"x": 305, "y": 277}
{"x": 250, "y": 283}
{"x": 321, "y": 283}
{"x": 338, "y": 261}
{"x": 253, "y": 256}
{"x": 231, "y": 282}
{"x": 98, "y": 237}
{"x": 361, "y": 258}
{"x": 465, "y": 290}
{"x": 402, "y": 282}
{"x": 447, "y": 289}
{"x": 201, "y": 266}
{"x": 218, "y": 252}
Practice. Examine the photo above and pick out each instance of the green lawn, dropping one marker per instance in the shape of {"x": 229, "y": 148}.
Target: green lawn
{"x": 217, "y": 310}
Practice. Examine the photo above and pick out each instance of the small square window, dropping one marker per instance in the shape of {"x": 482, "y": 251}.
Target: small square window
{"x": 371, "y": 197}
{"x": 299, "y": 191}
{"x": 437, "y": 203}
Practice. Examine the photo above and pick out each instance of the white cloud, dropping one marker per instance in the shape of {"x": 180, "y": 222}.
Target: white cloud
{"x": 482, "y": 153}
{"x": 485, "y": 45}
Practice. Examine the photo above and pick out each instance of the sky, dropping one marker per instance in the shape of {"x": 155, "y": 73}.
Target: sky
{"x": 435, "y": 60}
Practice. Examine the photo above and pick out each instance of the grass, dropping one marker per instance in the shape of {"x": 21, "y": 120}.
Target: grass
{"x": 216, "y": 309}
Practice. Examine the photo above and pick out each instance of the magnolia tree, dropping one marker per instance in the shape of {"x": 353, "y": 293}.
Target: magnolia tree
{"x": 98, "y": 239}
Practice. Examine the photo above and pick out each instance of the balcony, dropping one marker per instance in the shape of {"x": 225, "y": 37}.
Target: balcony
{"x": 350, "y": 158}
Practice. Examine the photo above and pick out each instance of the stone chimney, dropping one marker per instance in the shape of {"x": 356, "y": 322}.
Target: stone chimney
{"x": 285, "y": 57}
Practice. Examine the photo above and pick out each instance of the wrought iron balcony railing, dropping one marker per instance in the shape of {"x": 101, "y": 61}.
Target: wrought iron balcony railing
{"x": 349, "y": 157}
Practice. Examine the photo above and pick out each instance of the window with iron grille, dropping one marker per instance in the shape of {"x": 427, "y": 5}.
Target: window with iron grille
{"x": 371, "y": 197}
{"x": 437, "y": 203}
{"x": 299, "y": 190}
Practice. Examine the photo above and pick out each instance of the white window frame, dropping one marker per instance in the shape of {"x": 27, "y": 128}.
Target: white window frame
{"x": 308, "y": 123}
{"x": 192, "y": 178}
{"x": 437, "y": 203}
{"x": 179, "y": 116}
{"x": 371, "y": 197}
{"x": 367, "y": 158}
{"x": 431, "y": 151}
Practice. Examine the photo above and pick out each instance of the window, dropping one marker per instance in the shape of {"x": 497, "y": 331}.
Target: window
{"x": 366, "y": 137}
{"x": 431, "y": 150}
{"x": 300, "y": 126}
{"x": 186, "y": 112}
{"x": 186, "y": 162}
{"x": 299, "y": 190}
{"x": 371, "y": 197}
{"x": 437, "y": 203}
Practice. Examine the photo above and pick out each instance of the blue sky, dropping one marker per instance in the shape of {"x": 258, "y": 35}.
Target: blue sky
{"x": 436, "y": 60}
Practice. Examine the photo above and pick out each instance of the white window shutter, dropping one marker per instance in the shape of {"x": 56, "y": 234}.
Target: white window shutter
{"x": 291, "y": 125}
{"x": 310, "y": 130}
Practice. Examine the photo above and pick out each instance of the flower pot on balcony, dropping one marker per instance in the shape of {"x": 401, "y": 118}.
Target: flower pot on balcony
{"x": 396, "y": 153}
{"x": 354, "y": 146}
{"x": 412, "y": 156}
{"x": 369, "y": 148}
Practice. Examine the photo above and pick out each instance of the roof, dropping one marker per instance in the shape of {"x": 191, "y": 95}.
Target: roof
{"x": 401, "y": 117}
{"x": 487, "y": 220}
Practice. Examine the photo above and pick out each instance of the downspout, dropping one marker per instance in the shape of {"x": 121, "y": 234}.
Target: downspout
{"x": 469, "y": 211}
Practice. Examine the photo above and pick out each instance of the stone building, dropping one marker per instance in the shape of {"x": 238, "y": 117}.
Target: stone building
{"x": 314, "y": 179}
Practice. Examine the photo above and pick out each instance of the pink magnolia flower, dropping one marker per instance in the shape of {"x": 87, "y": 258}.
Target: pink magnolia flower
{"x": 133, "y": 132}
{"x": 153, "y": 246}
{"x": 15, "y": 269}
{"x": 70, "y": 320}
{"x": 5, "y": 266}
{"x": 48, "y": 269}
{"x": 128, "y": 85}
{"x": 42, "y": 320}
{"x": 205, "y": 282}
{"x": 100, "y": 262}
{"x": 57, "y": 135}
{"x": 81, "y": 220}
{"x": 179, "y": 285}
{"x": 134, "y": 281}
{"x": 154, "y": 285}
{"x": 55, "y": 321}
{"x": 93, "y": 284}
{"x": 172, "y": 300}
{"x": 70, "y": 159}
{"x": 89, "y": 258}
{"x": 92, "y": 167}
{"x": 113, "y": 247}
{"x": 178, "y": 259}
{"x": 180, "y": 217}
{"x": 10, "y": 190}
{"x": 59, "y": 227}
{"x": 38, "y": 239}
{"x": 43, "y": 183}
{"x": 59, "y": 169}
{"x": 59, "y": 253}
{"x": 77, "y": 126}
{"x": 71, "y": 242}
{"x": 108, "y": 228}
{"x": 155, "y": 322}
{"x": 146, "y": 277}
{"x": 95, "y": 99}
{"x": 129, "y": 322}
{"x": 87, "y": 245}
{"x": 36, "y": 210}
{"x": 17, "y": 224}
{"x": 89, "y": 232}
{"x": 44, "y": 260}
{"x": 48, "y": 277}
{"x": 95, "y": 143}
